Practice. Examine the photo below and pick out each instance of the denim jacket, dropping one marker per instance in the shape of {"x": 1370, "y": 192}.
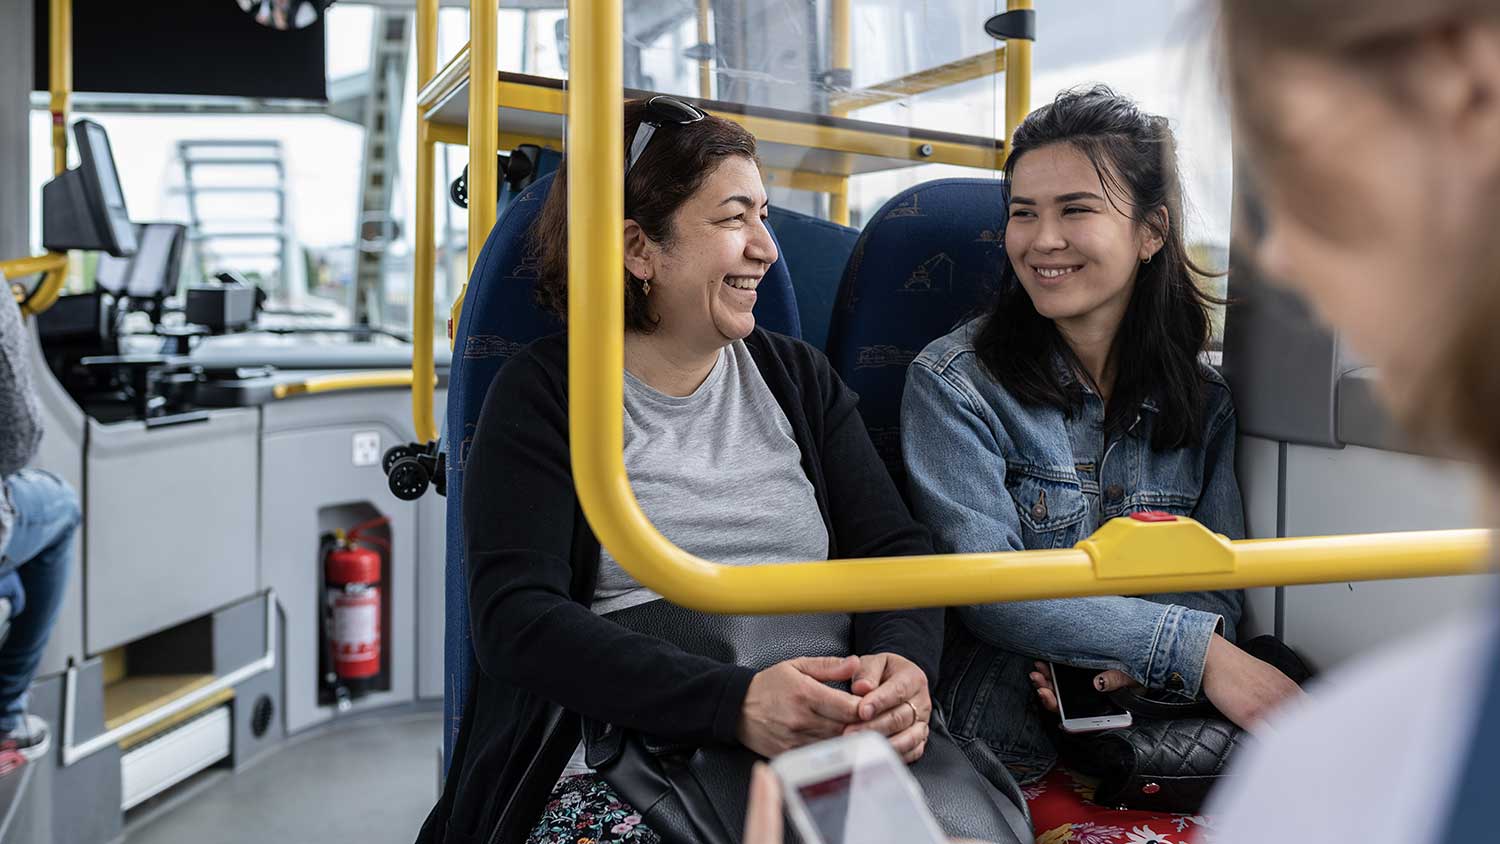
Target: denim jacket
{"x": 965, "y": 439}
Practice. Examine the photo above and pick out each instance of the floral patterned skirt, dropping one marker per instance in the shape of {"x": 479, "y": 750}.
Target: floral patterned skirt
{"x": 585, "y": 810}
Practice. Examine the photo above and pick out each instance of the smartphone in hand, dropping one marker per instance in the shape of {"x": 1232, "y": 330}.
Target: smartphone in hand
{"x": 1085, "y": 709}
{"x": 854, "y": 790}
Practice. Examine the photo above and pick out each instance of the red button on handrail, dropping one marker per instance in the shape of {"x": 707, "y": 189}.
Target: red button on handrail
{"x": 1153, "y": 516}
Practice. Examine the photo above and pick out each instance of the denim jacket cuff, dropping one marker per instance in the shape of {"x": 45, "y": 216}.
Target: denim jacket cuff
{"x": 1181, "y": 649}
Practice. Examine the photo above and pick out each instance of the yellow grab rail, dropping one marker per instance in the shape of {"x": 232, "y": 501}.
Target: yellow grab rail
{"x": 1126, "y": 556}
{"x": 60, "y": 85}
{"x": 53, "y": 264}
{"x": 1017, "y": 76}
{"x": 353, "y": 381}
{"x": 424, "y": 257}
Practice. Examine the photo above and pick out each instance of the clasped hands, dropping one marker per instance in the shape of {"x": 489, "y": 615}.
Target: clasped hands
{"x": 790, "y": 704}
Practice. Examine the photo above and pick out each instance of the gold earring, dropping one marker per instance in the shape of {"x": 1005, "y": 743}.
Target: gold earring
{"x": 1148, "y": 258}
{"x": 645, "y": 287}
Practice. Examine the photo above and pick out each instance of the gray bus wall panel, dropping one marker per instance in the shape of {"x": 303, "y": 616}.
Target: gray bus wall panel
{"x": 239, "y": 635}
{"x": 170, "y": 523}
{"x": 1362, "y": 490}
{"x": 432, "y": 541}
{"x": 248, "y": 695}
{"x": 84, "y": 799}
{"x": 62, "y": 454}
{"x": 1258, "y": 469}
{"x": 307, "y": 465}
{"x": 1281, "y": 364}
{"x": 25, "y": 799}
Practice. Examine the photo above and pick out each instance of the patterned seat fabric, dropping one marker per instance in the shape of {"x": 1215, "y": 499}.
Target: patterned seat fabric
{"x": 499, "y": 318}
{"x": 929, "y": 259}
{"x": 1061, "y": 813}
{"x": 815, "y": 252}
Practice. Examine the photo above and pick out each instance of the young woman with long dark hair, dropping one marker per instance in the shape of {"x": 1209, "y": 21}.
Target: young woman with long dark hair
{"x": 1082, "y": 396}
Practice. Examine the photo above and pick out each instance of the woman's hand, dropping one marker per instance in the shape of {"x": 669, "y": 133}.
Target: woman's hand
{"x": 1244, "y": 688}
{"x": 1046, "y": 692}
{"x": 894, "y": 702}
{"x": 788, "y": 705}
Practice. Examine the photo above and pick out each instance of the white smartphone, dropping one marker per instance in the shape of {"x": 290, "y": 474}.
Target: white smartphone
{"x": 854, "y": 789}
{"x": 1085, "y": 709}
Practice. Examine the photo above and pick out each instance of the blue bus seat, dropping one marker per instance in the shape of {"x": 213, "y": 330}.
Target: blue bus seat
{"x": 815, "y": 251}
{"x": 500, "y": 316}
{"x": 929, "y": 259}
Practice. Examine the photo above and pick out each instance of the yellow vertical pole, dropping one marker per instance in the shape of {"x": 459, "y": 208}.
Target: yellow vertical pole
{"x": 843, "y": 62}
{"x": 705, "y": 66}
{"x": 60, "y": 77}
{"x": 596, "y": 205}
{"x": 484, "y": 137}
{"x": 1017, "y": 77}
{"x": 484, "y": 105}
{"x": 423, "y": 373}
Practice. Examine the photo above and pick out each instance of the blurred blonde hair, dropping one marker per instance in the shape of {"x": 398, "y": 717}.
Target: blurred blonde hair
{"x": 1461, "y": 396}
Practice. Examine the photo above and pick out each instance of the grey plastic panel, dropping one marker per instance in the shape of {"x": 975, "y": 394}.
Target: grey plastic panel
{"x": 62, "y": 454}
{"x": 239, "y": 635}
{"x": 1362, "y": 490}
{"x": 1281, "y": 364}
{"x": 170, "y": 523}
{"x": 1258, "y": 468}
{"x": 1362, "y": 418}
{"x": 431, "y": 565}
{"x": 247, "y": 746}
{"x": 260, "y": 349}
{"x": 83, "y": 800}
{"x": 307, "y": 466}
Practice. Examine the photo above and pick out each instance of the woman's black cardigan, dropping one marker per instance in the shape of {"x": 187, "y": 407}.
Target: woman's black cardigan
{"x": 533, "y": 561}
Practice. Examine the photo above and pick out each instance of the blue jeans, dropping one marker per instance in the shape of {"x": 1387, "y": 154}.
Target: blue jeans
{"x": 38, "y": 551}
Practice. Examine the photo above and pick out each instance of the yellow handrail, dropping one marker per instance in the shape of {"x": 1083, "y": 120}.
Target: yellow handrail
{"x": 484, "y": 141}
{"x": 840, "y": 26}
{"x": 350, "y": 381}
{"x": 424, "y": 257}
{"x": 53, "y": 264}
{"x": 1017, "y": 77}
{"x": 60, "y": 78}
{"x": 60, "y": 86}
{"x": 1126, "y": 556}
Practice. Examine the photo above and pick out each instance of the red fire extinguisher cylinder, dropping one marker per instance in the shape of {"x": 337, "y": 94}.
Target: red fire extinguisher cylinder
{"x": 352, "y": 575}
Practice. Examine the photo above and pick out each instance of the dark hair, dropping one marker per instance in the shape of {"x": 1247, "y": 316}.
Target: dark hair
{"x": 675, "y": 164}
{"x": 1166, "y": 324}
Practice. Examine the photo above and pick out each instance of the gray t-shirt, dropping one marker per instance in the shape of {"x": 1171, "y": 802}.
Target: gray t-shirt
{"x": 719, "y": 473}
{"x": 20, "y": 416}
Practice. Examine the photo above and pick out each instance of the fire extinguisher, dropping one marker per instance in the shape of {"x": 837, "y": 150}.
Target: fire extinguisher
{"x": 352, "y": 576}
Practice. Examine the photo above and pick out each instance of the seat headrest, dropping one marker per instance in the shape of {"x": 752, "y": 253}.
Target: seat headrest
{"x": 928, "y": 260}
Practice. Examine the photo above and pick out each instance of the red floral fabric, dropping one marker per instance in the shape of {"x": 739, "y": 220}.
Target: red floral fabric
{"x": 1062, "y": 813}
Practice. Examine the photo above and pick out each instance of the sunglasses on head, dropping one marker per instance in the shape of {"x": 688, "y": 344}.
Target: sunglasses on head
{"x": 660, "y": 111}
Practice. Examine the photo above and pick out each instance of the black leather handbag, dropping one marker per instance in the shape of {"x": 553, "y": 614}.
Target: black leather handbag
{"x": 697, "y": 795}
{"x": 1174, "y": 753}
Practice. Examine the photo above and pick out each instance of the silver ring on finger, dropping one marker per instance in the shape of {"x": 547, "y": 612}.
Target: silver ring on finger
{"x": 915, "y": 717}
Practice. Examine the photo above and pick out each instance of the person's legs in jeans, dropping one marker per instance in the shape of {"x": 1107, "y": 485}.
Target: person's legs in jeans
{"x": 40, "y": 548}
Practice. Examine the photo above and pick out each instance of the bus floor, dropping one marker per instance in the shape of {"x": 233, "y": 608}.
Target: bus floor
{"x": 368, "y": 780}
